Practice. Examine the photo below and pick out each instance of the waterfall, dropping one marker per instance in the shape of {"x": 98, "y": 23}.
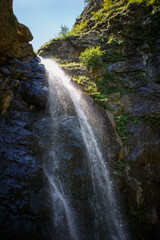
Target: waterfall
{"x": 83, "y": 202}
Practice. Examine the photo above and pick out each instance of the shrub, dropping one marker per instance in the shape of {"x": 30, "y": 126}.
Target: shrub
{"x": 64, "y": 32}
{"x": 91, "y": 57}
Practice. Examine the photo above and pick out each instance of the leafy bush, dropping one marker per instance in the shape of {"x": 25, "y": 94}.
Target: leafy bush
{"x": 91, "y": 57}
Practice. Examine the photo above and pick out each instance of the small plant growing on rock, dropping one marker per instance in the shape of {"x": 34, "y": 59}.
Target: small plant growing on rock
{"x": 64, "y": 32}
{"x": 120, "y": 166}
{"x": 121, "y": 121}
{"x": 91, "y": 57}
{"x": 78, "y": 28}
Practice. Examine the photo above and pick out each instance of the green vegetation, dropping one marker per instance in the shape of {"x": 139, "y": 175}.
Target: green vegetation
{"x": 143, "y": 1}
{"x": 100, "y": 82}
{"x": 135, "y": 213}
{"x": 64, "y": 32}
{"x": 66, "y": 64}
{"x": 108, "y": 76}
{"x": 114, "y": 40}
{"x": 120, "y": 166}
{"x": 91, "y": 57}
{"x": 112, "y": 57}
{"x": 107, "y": 7}
{"x": 121, "y": 121}
{"x": 35, "y": 51}
{"x": 78, "y": 29}
{"x": 91, "y": 88}
{"x": 45, "y": 45}
{"x": 155, "y": 119}
{"x": 110, "y": 3}
{"x": 83, "y": 80}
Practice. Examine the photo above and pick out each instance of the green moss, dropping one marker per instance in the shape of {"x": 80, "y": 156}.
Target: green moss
{"x": 69, "y": 64}
{"x": 114, "y": 40}
{"x": 143, "y": 1}
{"x": 78, "y": 29}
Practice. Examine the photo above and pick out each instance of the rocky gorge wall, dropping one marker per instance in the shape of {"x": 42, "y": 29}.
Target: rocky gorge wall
{"x": 128, "y": 84}
{"x": 14, "y": 37}
{"x": 127, "y": 88}
{"x": 23, "y": 100}
{"x": 23, "y": 204}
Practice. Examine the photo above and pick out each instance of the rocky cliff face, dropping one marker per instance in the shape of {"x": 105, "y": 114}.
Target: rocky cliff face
{"x": 23, "y": 98}
{"x": 14, "y": 37}
{"x": 127, "y": 87}
{"x": 23, "y": 204}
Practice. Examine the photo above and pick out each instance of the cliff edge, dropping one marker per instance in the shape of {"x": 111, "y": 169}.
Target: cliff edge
{"x": 14, "y": 37}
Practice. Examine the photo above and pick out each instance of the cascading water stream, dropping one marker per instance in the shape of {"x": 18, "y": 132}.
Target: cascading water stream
{"x": 104, "y": 217}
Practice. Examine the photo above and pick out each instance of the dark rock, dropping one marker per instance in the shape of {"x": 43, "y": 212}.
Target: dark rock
{"x": 14, "y": 37}
{"x": 22, "y": 186}
{"x": 70, "y": 48}
{"x": 24, "y": 127}
{"x": 144, "y": 102}
{"x": 130, "y": 38}
{"x": 143, "y": 157}
{"x": 35, "y": 93}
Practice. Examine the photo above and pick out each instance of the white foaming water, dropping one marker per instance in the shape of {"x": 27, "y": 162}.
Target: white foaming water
{"x": 103, "y": 201}
{"x": 62, "y": 207}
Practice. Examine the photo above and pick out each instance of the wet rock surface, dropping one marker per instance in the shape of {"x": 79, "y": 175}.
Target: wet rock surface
{"x": 23, "y": 204}
{"x": 133, "y": 56}
{"x": 130, "y": 38}
{"x": 31, "y": 145}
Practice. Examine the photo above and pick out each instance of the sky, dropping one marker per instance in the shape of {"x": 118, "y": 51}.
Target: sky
{"x": 45, "y": 17}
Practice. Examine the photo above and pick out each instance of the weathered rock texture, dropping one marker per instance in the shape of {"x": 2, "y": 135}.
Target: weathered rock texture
{"x": 23, "y": 98}
{"x": 69, "y": 49}
{"x": 93, "y": 5}
{"x": 131, "y": 40}
{"x": 23, "y": 205}
{"x": 14, "y": 37}
{"x": 129, "y": 81}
